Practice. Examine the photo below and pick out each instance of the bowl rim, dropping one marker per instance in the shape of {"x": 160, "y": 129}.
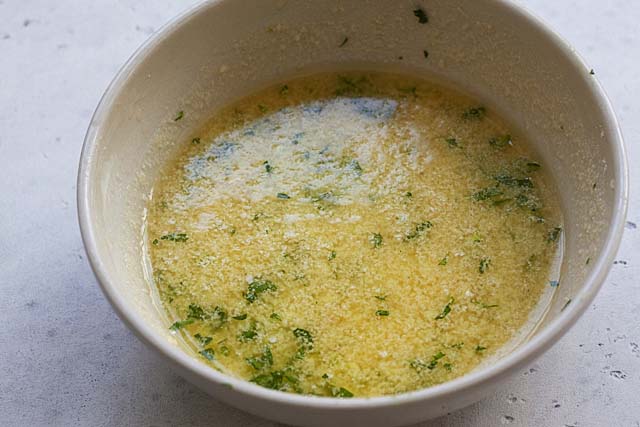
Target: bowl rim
{"x": 518, "y": 358}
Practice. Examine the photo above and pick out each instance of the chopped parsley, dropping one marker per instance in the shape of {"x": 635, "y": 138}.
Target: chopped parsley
{"x": 425, "y": 53}
{"x": 340, "y": 392}
{"x": 240, "y": 316}
{"x": 382, "y": 313}
{"x": 381, "y": 297}
{"x": 207, "y": 353}
{"x": 175, "y": 237}
{"x": 421, "y": 15}
{"x": 554, "y": 234}
{"x": 376, "y": 240}
{"x": 501, "y": 141}
{"x": 346, "y": 39}
{"x": 434, "y": 360}
{"x": 277, "y": 380}
{"x": 533, "y": 165}
{"x": 332, "y": 255}
{"x": 448, "y": 366}
{"x": 446, "y": 310}
{"x": 444, "y": 260}
{"x": 263, "y": 108}
{"x": 480, "y": 349}
{"x": 484, "y": 265}
{"x": 267, "y": 167}
{"x": 305, "y": 341}
{"x": 419, "y": 229}
{"x": 257, "y": 287}
{"x": 155, "y": 241}
{"x": 264, "y": 360}
{"x": 486, "y": 193}
{"x": 195, "y": 141}
{"x": 248, "y": 334}
{"x": 178, "y": 116}
{"x": 181, "y": 324}
{"x": 452, "y": 142}
{"x": 304, "y": 337}
{"x": 275, "y": 316}
{"x": 485, "y": 306}
{"x": 202, "y": 340}
{"x": 510, "y": 181}
{"x": 474, "y": 113}
{"x": 283, "y": 196}
{"x": 284, "y": 90}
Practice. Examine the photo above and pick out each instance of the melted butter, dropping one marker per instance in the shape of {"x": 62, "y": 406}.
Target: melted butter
{"x": 352, "y": 234}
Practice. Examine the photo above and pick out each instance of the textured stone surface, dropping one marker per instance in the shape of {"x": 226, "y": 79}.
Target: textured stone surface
{"x": 65, "y": 357}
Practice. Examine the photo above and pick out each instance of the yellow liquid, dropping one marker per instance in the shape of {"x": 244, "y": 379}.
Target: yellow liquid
{"x": 358, "y": 234}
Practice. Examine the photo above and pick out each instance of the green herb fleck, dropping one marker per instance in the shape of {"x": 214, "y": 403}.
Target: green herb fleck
{"x": 332, "y": 255}
{"x": 421, "y": 15}
{"x": 485, "y": 306}
{"x": 262, "y": 108}
{"x": 340, "y": 392}
{"x": 178, "y": 116}
{"x": 202, "y": 340}
{"x": 533, "y": 165}
{"x": 587, "y": 261}
{"x": 457, "y": 346}
{"x": 444, "y": 260}
{"x": 425, "y": 53}
{"x": 434, "y": 360}
{"x": 510, "y": 181}
{"x": 195, "y": 141}
{"x": 267, "y": 167}
{"x": 155, "y": 241}
{"x": 452, "y": 142}
{"x": 346, "y": 39}
{"x": 554, "y": 234}
{"x": 480, "y": 349}
{"x": 275, "y": 316}
{"x": 265, "y": 360}
{"x": 501, "y": 141}
{"x": 381, "y": 297}
{"x": 408, "y": 194}
{"x": 249, "y": 334}
{"x": 207, "y": 353}
{"x": 486, "y": 193}
{"x": 448, "y": 366}
{"x": 276, "y": 380}
{"x": 419, "y": 229}
{"x": 175, "y": 237}
{"x": 304, "y": 337}
{"x": 284, "y": 90}
{"x": 258, "y": 286}
{"x": 376, "y": 240}
{"x": 382, "y": 313}
{"x": 484, "y": 265}
{"x": 446, "y": 310}
{"x": 475, "y": 113}
{"x": 283, "y": 196}
{"x": 240, "y": 316}
{"x": 181, "y": 324}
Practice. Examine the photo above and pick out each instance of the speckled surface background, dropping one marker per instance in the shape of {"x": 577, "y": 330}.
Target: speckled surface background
{"x": 66, "y": 359}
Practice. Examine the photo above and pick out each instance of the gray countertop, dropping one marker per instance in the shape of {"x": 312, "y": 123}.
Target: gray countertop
{"x": 65, "y": 357}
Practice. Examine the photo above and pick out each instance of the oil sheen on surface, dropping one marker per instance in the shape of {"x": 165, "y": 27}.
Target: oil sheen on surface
{"x": 352, "y": 235}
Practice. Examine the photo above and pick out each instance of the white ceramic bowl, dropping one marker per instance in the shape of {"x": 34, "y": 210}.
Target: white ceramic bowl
{"x": 222, "y": 50}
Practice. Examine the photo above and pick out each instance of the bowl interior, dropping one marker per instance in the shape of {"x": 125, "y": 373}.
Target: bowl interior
{"x": 224, "y": 50}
